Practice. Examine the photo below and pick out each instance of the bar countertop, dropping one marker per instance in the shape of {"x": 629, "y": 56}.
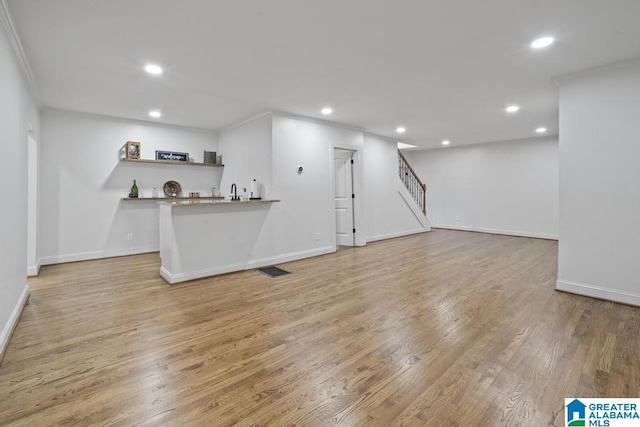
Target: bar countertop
{"x": 196, "y": 202}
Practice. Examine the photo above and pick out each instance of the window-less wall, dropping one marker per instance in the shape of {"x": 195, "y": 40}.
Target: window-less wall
{"x": 82, "y": 182}
{"x": 272, "y": 147}
{"x": 246, "y": 152}
{"x": 17, "y": 110}
{"x": 600, "y": 183}
{"x": 308, "y": 207}
{"x": 501, "y": 187}
{"x": 387, "y": 213}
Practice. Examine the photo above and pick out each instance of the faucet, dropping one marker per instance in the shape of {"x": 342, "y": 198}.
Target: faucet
{"x": 235, "y": 192}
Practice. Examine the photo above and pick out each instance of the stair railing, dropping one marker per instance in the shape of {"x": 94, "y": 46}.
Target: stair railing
{"x": 416, "y": 188}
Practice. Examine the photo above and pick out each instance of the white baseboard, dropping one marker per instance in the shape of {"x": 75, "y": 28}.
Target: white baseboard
{"x": 257, "y": 263}
{"x": 497, "y": 231}
{"x": 10, "y": 326}
{"x": 597, "y": 292}
{"x": 394, "y": 235}
{"x": 84, "y": 256}
{"x": 34, "y": 270}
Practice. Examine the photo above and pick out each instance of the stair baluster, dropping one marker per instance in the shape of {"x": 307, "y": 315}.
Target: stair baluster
{"x": 416, "y": 188}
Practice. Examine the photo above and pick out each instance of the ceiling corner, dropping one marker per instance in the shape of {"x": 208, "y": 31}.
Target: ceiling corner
{"x": 7, "y": 23}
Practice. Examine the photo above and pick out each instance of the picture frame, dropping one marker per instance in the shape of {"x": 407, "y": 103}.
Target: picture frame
{"x": 209, "y": 157}
{"x": 172, "y": 156}
{"x": 132, "y": 150}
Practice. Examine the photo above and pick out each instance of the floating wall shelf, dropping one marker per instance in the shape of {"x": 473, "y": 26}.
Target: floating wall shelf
{"x": 169, "y": 162}
{"x": 169, "y": 199}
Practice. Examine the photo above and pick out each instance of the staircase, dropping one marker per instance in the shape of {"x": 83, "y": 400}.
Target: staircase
{"x": 414, "y": 186}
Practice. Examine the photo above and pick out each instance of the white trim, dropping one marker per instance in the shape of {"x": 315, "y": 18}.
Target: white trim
{"x": 10, "y": 326}
{"x": 7, "y": 22}
{"x": 314, "y": 120}
{"x": 597, "y": 292}
{"x": 408, "y": 199}
{"x": 394, "y": 235}
{"x": 242, "y": 123}
{"x": 295, "y": 116}
{"x": 155, "y": 123}
{"x": 470, "y": 144}
{"x": 84, "y": 256}
{"x": 358, "y": 187}
{"x": 620, "y": 65}
{"x": 388, "y": 139}
{"x": 392, "y": 140}
{"x": 256, "y": 263}
{"x": 33, "y": 203}
{"x": 497, "y": 231}
{"x": 34, "y": 270}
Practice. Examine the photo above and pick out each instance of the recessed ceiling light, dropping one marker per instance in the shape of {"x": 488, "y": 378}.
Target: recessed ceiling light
{"x": 401, "y": 129}
{"x": 541, "y": 130}
{"x": 446, "y": 142}
{"x": 402, "y": 145}
{"x": 512, "y": 108}
{"x": 326, "y": 111}
{"x": 153, "y": 69}
{"x": 542, "y": 42}
{"x": 155, "y": 113}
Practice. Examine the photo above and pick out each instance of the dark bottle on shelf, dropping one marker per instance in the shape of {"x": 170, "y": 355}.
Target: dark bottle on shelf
{"x": 134, "y": 190}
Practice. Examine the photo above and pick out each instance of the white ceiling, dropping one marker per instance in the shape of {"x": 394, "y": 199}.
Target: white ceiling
{"x": 445, "y": 69}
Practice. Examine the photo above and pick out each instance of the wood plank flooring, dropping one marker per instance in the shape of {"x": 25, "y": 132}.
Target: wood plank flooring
{"x": 447, "y": 328}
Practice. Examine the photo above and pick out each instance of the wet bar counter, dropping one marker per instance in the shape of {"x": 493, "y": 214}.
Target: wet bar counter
{"x": 201, "y": 238}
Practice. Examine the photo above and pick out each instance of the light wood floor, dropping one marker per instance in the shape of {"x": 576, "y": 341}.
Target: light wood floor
{"x": 446, "y": 328}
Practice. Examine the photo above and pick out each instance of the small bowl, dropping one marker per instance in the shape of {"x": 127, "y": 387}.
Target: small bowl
{"x": 172, "y": 189}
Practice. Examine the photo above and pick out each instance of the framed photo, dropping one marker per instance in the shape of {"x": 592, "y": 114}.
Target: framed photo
{"x": 172, "y": 156}
{"x": 132, "y": 150}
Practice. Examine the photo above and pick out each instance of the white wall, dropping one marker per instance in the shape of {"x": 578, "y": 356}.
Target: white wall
{"x": 246, "y": 150}
{"x": 18, "y": 111}
{"x": 82, "y": 182}
{"x": 307, "y": 207}
{"x": 387, "y": 213}
{"x": 272, "y": 147}
{"x": 501, "y": 187}
{"x": 600, "y": 183}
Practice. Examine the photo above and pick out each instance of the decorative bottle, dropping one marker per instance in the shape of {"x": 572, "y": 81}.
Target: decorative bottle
{"x": 134, "y": 190}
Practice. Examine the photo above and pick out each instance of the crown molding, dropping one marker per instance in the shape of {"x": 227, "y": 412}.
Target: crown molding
{"x": 226, "y": 129}
{"x": 294, "y": 116}
{"x": 383, "y": 137}
{"x": 316, "y": 120}
{"x": 21, "y": 57}
{"x": 614, "y": 66}
{"x": 552, "y": 136}
{"x": 153, "y": 123}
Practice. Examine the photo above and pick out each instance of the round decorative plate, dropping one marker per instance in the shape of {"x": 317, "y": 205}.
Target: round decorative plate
{"x": 172, "y": 189}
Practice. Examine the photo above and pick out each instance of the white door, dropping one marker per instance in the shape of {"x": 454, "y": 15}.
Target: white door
{"x": 343, "y": 197}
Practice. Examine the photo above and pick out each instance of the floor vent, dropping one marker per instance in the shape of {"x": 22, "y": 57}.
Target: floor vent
{"x": 273, "y": 271}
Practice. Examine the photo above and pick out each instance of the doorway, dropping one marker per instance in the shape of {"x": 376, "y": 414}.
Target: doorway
{"x": 344, "y": 197}
{"x": 32, "y": 207}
